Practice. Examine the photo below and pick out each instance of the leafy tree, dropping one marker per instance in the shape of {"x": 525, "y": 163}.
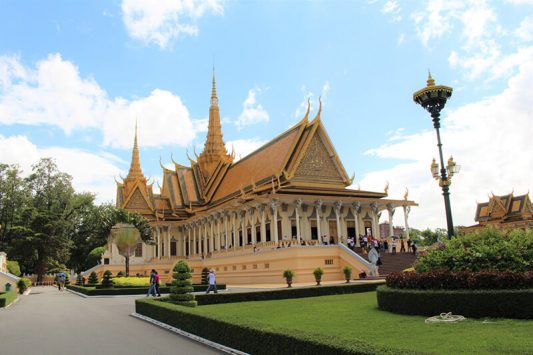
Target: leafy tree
{"x": 94, "y": 257}
{"x": 181, "y": 289}
{"x": 13, "y": 200}
{"x": 13, "y": 267}
{"x": 126, "y": 237}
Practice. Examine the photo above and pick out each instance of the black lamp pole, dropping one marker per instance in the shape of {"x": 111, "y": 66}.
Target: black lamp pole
{"x": 433, "y": 98}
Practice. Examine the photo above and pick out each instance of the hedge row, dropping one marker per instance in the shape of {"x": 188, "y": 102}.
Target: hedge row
{"x": 252, "y": 340}
{"x": 7, "y": 297}
{"x": 469, "y": 303}
{"x": 127, "y": 290}
{"x": 286, "y": 293}
{"x": 463, "y": 280}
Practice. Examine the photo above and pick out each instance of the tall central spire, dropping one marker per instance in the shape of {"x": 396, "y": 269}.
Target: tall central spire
{"x": 135, "y": 167}
{"x": 214, "y": 147}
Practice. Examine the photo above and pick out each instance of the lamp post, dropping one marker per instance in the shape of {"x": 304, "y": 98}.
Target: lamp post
{"x": 433, "y": 98}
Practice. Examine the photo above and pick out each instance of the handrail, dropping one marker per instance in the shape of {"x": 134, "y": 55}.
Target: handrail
{"x": 353, "y": 253}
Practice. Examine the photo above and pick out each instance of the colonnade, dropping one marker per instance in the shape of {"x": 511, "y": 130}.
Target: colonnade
{"x": 269, "y": 222}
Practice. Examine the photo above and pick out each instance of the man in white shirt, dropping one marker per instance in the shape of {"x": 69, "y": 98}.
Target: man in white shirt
{"x": 212, "y": 282}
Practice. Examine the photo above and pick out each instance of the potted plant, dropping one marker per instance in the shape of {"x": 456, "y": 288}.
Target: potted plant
{"x": 318, "y": 272}
{"x": 347, "y": 273}
{"x": 288, "y": 275}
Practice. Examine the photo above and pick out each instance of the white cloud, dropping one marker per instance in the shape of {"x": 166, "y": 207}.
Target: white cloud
{"x": 54, "y": 93}
{"x": 165, "y": 20}
{"x": 392, "y": 7}
{"x": 525, "y": 31}
{"x": 93, "y": 175}
{"x": 252, "y": 111}
{"x": 243, "y": 147}
{"x": 489, "y": 138}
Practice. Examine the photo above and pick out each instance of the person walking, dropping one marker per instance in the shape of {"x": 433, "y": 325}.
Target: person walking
{"x": 212, "y": 282}
{"x": 151, "y": 289}
{"x": 157, "y": 281}
{"x": 414, "y": 247}
{"x": 61, "y": 282}
{"x": 408, "y": 245}
{"x": 402, "y": 246}
{"x": 393, "y": 246}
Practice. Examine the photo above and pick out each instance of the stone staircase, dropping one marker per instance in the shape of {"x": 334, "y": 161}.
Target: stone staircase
{"x": 391, "y": 263}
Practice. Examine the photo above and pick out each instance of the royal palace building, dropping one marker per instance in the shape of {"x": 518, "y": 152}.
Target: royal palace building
{"x": 253, "y": 218}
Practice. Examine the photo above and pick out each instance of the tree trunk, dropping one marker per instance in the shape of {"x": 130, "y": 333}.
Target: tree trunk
{"x": 127, "y": 266}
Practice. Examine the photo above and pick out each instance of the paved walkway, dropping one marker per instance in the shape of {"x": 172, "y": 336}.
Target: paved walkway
{"x": 59, "y": 323}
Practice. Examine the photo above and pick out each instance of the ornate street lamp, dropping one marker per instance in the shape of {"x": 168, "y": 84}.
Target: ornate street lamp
{"x": 433, "y": 98}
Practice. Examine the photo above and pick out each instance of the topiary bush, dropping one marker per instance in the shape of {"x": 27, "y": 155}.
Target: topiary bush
{"x": 79, "y": 280}
{"x": 120, "y": 274}
{"x": 318, "y": 272}
{"x": 489, "y": 249}
{"x": 181, "y": 289}
{"x": 67, "y": 279}
{"x": 23, "y": 284}
{"x": 347, "y": 271}
{"x": 93, "y": 278}
{"x": 107, "y": 281}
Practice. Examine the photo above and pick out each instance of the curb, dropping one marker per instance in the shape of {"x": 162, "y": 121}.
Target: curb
{"x": 211, "y": 344}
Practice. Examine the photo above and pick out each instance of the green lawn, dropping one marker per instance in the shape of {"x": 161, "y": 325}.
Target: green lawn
{"x": 355, "y": 316}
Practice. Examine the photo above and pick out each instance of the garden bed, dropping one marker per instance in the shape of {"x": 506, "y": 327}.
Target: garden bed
{"x": 99, "y": 290}
{"x": 469, "y": 303}
{"x": 6, "y": 298}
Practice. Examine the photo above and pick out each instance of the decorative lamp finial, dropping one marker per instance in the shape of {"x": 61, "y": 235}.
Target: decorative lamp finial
{"x": 430, "y": 80}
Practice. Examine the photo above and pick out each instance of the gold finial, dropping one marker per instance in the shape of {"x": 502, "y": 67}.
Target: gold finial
{"x": 308, "y": 109}
{"x": 317, "y": 117}
{"x": 406, "y": 195}
{"x": 386, "y": 189}
{"x": 430, "y": 80}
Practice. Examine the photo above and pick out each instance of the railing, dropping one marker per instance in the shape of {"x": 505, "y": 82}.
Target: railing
{"x": 354, "y": 254}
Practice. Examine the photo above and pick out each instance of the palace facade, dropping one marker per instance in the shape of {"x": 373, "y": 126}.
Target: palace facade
{"x": 250, "y": 219}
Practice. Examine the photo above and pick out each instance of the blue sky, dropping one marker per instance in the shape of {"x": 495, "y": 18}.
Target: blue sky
{"x": 74, "y": 76}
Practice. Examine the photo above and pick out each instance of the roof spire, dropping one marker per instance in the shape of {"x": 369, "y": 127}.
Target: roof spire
{"x": 214, "y": 147}
{"x": 135, "y": 167}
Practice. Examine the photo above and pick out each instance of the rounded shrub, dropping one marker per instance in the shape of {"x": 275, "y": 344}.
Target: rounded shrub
{"x": 93, "y": 278}
{"x": 79, "y": 280}
{"x": 107, "y": 281}
{"x": 347, "y": 271}
{"x": 23, "y": 284}
{"x": 181, "y": 289}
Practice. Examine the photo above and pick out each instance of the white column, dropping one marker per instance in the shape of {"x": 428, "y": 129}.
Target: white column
{"x": 374, "y": 207}
{"x": 159, "y": 242}
{"x": 406, "y": 210}
{"x": 234, "y": 217}
{"x": 356, "y": 210}
{"x": 390, "y": 209}
{"x": 243, "y": 228}
{"x": 194, "y": 246}
{"x": 298, "y": 205}
{"x": 218, "y": 232}
{"x": 263, "y": 222}
{"x": 338, "y": 206}
{"x": 274, "y": 206}
{"x": 226, "y": 234}
{"x": 318, "y": 207}
{"x": 189, "y": 251}
{"x": 168, "y": 242}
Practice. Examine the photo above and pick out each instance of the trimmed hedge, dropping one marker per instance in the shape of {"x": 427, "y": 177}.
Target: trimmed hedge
{"x": 464, "y": 280}
{"x": 98, "y": 290}
{"x": 469, "y": 303}
{"x": 7, "y": 297}
{"x": 252, "y": 340}
{"x": 285, "y": 293}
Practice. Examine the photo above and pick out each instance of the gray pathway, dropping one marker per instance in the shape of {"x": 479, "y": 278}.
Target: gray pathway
{"x": 60, "y": 323}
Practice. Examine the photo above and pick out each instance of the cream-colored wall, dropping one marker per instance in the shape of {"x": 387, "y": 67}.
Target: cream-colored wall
{"x": 4, "y": 280}
{"x": 252, "y": 268}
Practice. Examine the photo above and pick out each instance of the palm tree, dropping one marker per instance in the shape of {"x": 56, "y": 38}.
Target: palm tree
{"x": 126, "y": 237}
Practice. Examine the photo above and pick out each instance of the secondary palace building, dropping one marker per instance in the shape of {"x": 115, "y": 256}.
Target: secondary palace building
{"x": 253, "y": 218}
